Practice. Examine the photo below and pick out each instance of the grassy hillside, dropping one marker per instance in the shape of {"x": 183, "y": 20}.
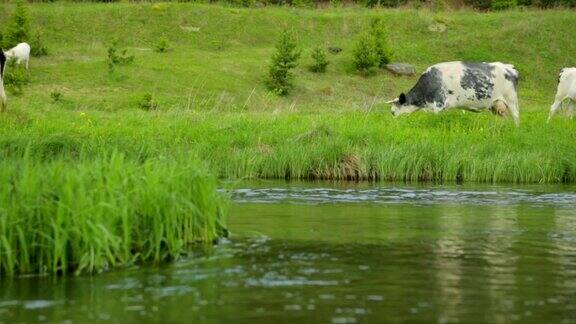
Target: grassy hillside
{"x": 219, "y": 55}
{"x": 214, "y": 104}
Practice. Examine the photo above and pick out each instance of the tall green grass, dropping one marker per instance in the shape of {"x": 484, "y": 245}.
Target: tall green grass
{"x": 102, "y": 213}
{"x": 454, "y": 146}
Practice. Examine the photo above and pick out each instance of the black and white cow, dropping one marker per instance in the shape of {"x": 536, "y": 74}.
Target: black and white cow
{"x": 470, "y": 86}
{"x": 566, "y": 92}
{"x": 2, "y": 93}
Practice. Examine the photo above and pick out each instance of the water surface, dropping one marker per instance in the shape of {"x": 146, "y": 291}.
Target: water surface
{"x": 344, "y": 253}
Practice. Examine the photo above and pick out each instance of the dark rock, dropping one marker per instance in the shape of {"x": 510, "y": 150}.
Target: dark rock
{"x": 401, "y": 68}
{"x": 334, "y": 49}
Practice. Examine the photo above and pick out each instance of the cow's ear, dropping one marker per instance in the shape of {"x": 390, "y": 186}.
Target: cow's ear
{"x": 402, "y": 99}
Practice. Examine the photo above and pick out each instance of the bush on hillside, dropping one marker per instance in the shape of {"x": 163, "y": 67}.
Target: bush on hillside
{"x": 284, "y": 60}
{"x": 117, "y": 57}
{"x": 365, "y": 55}
{"x": 18, "y": 27}
{"x": 320, "y": 61}
{"x": 381, "y": 44}
{"x": 37, "y": 47}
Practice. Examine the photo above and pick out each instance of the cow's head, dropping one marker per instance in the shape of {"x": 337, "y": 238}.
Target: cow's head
{"x": 400, "y": 106}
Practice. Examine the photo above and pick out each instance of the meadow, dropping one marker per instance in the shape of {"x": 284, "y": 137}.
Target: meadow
{"x": 81, "y": 127}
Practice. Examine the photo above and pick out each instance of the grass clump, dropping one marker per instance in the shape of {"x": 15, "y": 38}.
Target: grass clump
{"x": 147, "y": 102}
{"x": 56, "y": 96}
{"x": 162, "y": 45}
{"x": 320, "y": 61}
{"x": 91, "y": 216}
{"x": 284, "y": 60}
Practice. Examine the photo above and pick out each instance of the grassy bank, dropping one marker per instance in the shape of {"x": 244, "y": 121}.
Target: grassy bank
{"x": 214, "y": 106}
{"x": 57, "y": 217}
{"x": 351, "y": 145}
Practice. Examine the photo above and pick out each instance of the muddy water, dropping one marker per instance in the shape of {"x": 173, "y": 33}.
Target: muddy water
{"x": 353, "y": 253}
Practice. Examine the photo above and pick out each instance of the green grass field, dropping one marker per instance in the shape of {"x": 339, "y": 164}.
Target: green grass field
{"x": 214, "y": 104}
{"x": 216, "y": 118}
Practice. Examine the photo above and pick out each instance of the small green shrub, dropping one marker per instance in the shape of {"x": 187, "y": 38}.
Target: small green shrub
{"x": 320, "y": 62}
{"x": 56, "y": 96}
{"x": 37, "y": 47}
{"x": 284, "y": 59}
{"x": 365, "y": 55}
{"x": 18, "y": 27}
{"x": 15, "y": 78}
{"x": 382, "y": 46}
{"x": 117, "y": 57}
{"x": 162, "y": 45}
{"x": 147, "y": 102}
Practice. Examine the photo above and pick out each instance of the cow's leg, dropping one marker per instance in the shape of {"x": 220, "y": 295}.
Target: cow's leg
{"x": 570, "y": 108}
{"x": 555, "y": 106}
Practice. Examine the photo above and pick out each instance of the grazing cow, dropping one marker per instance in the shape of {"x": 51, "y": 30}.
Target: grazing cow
{"x": 566, "y": 91}
{"x": 470, "y": 86}
{"x": 20, "y": 52}
{"x": 2, "y": 93}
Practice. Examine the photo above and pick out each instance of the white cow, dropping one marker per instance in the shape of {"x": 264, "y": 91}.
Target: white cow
{"x": 20, "y": 52}
{"x": 471, "y": 86}
{"x": 2, "y": 93}
{"x": 566, "y": 91}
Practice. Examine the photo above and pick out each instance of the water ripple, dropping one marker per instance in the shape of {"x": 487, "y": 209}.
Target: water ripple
{"x": 387, "y": 195}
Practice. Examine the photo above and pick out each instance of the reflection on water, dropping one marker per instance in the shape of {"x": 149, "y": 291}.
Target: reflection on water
{"x": 485, "y": 255}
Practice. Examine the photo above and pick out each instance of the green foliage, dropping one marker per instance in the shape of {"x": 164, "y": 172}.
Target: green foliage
{"x": 284, "y": 59}
{"x": 372, "y": 47}
{"x": 479, "y": 4}
{"x": 365, "y": 56}
{"x": 15, "y": 78}
{"x": 320, "y": 61}
{"x": 502, "y": 4}
{"x": 18, "y": 27}
{"x": 56, "y": 96}
{"x": 303, "y": 3}
{"x": 97, "y": 214}
{"x": 37, "y": 46}
{"x": 162, "y": 45}
{"x": 242, "y": 3}
{"x": 384, "y": 3}
{"x": 117, "y": 56}
{"x": 147, "y": 102}
{"x": 439, "y": 5}
{"x": 381, "y": 44}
